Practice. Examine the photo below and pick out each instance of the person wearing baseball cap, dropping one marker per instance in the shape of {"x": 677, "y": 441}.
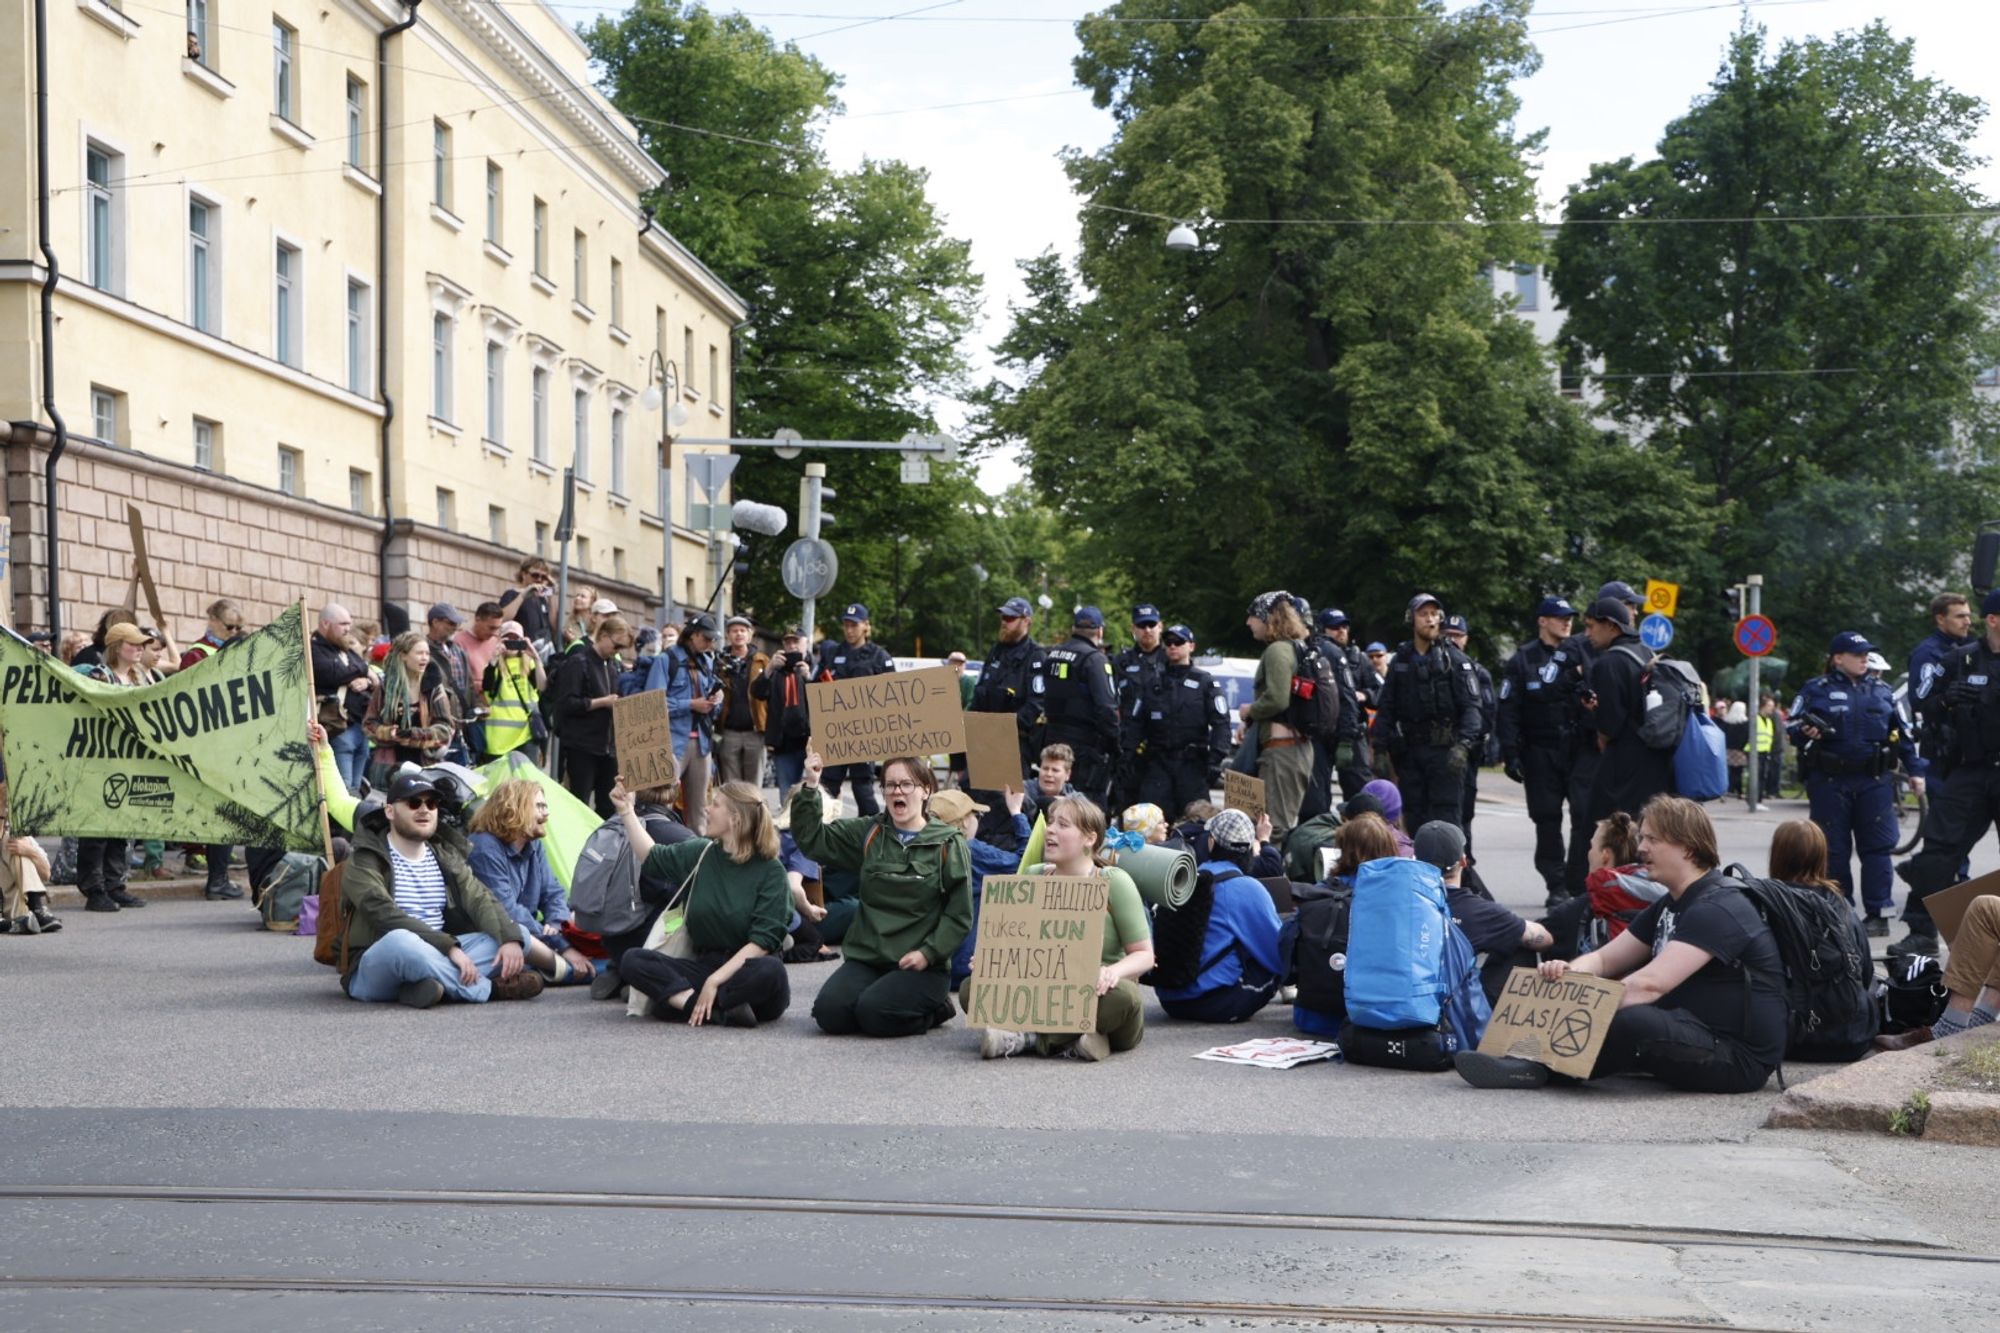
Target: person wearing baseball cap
{"x": 1630, "y": 772}
{"x": 441, "y": 624}
{"x": 1501, "y": 939}
{"x": 1458, "y": 633}
{"x": 1002, "y": 687}
{"x": 1072, "y": 701}
{"x": 1183, "y": 728}
{"x": 1345, "y": 757}
{"x": 739, "y": 733}
{"x": 851, "y": 658}
{"x": 1429, "y": 718}
{"x": 1619, "y": 590}
{"x": 959, "y": 810}
{"x": 1133, "y": 672}
{"x": 1853, "y": 739}
{"x": 1531, "y": 721}
{"x": 1234, "y": 963}
{"x": 1964, "y": 706}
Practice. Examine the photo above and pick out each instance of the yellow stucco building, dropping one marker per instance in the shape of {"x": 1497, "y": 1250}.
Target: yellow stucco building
{"x": 338, "y": 301}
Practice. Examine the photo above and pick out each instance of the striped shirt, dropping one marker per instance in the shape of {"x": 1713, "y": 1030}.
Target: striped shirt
{"x": 419, "y": 886}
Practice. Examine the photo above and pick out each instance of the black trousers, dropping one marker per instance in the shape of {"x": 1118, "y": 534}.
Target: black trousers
{"x": 760, "y": 983}
{"x": 1172, "y": 782}
{"x": 1583, "y": 761}
{"x": 1962, "y": 809}
{"x": 589, "y": 778}
{"x": 1128, "y": 782}
{"x": 1319, "y": 787}
{"x": 1353, "y": 764}
{"x": 1545, "y": 779}
{"x": 101, "y": 865}
{"x": 1470, "y": 802}
{"x": 1432, "y": 781}
{"x": 1678, "y": 1049}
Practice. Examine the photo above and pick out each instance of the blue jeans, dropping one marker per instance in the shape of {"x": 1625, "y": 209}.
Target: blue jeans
{"x": 790, "y": 766}
{"x": 403, "y": 956}
{"x": 350, "y": 755}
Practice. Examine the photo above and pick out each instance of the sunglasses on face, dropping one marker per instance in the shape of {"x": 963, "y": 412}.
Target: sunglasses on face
{"x": 422, "y": 803}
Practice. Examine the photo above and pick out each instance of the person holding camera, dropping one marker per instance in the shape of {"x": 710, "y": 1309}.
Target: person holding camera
{"x": 787, "y": 724}
{"x": 527, "y": 602}
{"x": 739, "y": 739}
{"x": 513, "y": 685}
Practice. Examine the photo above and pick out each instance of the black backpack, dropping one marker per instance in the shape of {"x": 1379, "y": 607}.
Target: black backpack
{"x": 1914, "y": 995}
{"x": 1315, "y": 706}
{"x": 1829, "y": 972}
{"x": 1180, "y": 934}
{"x": 1313, "y": 947}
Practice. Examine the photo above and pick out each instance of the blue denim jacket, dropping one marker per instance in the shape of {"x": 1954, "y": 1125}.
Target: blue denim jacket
{"x": 522, "y": 881}
{"x": 682, "y": 677}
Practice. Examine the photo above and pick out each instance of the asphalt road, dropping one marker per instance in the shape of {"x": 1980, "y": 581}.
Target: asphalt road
{"x": 180, "y": 1047}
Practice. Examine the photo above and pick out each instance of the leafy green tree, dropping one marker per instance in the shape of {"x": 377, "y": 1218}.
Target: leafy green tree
{"x": 860, "y": 301}
{"x": 1808, "y": 368}
{"x": 1326, "y": 396}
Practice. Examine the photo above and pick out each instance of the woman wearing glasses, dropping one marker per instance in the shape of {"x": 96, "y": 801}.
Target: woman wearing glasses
{"x": 916, "y": 904}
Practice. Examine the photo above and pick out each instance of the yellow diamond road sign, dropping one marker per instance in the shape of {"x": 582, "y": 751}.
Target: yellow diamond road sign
{"x": 1662, "y": 598}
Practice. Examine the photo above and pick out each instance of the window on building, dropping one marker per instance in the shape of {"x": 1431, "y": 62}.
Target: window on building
{"x": 447, "y": 510}
{"x": 496, "y": 525}
{"x": 357, "y": 118}
{"x": 200, "y": 33}
{"x": 493, "y": 202}
{"x": 284, "y": 70}
{"x": 660, "y": 328}
{"x": 714, "y": 373}
{"x": 496, "y": 393}
{"x": 687, "y": 360}
{"x": 207, "y": 438}
{"x": 286, "y": 317}
{"x": 441, "y": 367}
{"x": 204, "y": 266}
{"x": 1569, "y": 375}
{"x": 541, "y": 239}
{"x": 618, "y": 563}
{"x": 583, "y": 553}
{"x": 104, "y": 172}
{"x": 617, "y": 294}
{"x": 360, "y": 346}
{"x": 580, "y": 432}
{"x": 540, "y": 423}
{"x": 360, "y": 491}
{"x": 1527, "y": 287}
{"x": 107, "y": 415}
{"x": 580, "y": 270}
{"x": 291, "y": 469}
{"x": 441, "y": 165}
{"x": 618, "y": 451}
{"x": 542, "y": 539}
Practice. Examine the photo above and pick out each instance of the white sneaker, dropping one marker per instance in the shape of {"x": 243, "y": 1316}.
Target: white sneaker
{"x": 1091, "y": 1047}
{"x": 998, "y": 1043}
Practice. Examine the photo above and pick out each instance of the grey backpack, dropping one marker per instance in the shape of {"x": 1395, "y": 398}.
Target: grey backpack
{"x": 604, "y": 891}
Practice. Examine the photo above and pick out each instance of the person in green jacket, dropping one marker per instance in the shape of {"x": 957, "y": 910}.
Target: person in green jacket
{"x": 738, "y": 903}
{"x": 1074, "y": 846}
{"x": 1284, "y": 755}
{"x": 916, "y": 904}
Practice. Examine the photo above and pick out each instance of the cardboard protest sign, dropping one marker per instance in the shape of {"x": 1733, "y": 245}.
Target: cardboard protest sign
{"x": 143, "y": 574}
{"x": 1242, "y": 792}
{"x": 1948, "y": 906}
{"x": 1561, "y": 1024}
{"x": 871, "y": 719}
{"x": 1035, "y": 962}
{"x": 644, "y": 738}
{"x": 215, "y": 754}
{"x": 993, "y": 751}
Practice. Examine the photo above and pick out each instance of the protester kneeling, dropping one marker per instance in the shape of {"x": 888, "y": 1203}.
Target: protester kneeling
{"x": 1074, "y": 846}
{"x": 1703, "y": 1008}
{"x": 915, "y": 897}
{"x": 422, "y": 926}
{"x": 724, "y": 962}
{"x": 1238, "y": 968}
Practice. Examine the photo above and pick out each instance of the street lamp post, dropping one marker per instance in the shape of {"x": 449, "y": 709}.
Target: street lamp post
{"x": 663, "y": 389}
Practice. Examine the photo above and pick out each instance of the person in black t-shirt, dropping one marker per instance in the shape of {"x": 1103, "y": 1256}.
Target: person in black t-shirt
{"x": 1703, "y": 1009}
{"x": 1501, "y": 939}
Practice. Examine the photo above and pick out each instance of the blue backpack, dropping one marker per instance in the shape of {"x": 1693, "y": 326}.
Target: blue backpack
{"x": 1701, "y": 760}
{"x": 1395, "y": 944}
{"x": 1462, "y": 1009}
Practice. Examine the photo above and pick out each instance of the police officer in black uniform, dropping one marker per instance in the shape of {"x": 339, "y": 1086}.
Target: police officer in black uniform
{"x": 1132, "y": 671}
{"x": 1531, "y": 725}
{"x": 1353, "y": 764}
{"x": 1428, "y": 718}
{"x": 1003, "y": 680}
{"x": 1185, "y": 727}
{"x": 1457, "y": 632}
{"x": 1072, "y": 702}
{"x": 853, "y": 656}
{"x": 1966, "y": 702}
{"x": 1573, "y": 678}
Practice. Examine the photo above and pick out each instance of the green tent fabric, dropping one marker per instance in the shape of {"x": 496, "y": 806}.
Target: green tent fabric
{"x": 571, "y": 822}
{"x": 340, "y": 803}
{"x": 1165, "y": 876}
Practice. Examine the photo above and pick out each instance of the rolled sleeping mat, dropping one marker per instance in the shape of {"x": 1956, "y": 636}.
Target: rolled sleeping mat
{"x": 1165, "y": 875}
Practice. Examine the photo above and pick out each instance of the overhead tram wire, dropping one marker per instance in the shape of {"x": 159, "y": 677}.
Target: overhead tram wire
{"x": 1255, "y": 20}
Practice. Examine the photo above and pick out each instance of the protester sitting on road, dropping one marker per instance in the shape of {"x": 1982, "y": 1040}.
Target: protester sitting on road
{"x": 511, "y": 859}
{"x": 1363, "y": 838}
{"x": 1504, "y": 940}
{"x": 1617, "y": 888}
{"x": 655, "y": 806}
{"x": 736, "y": 905}
{"x": 1052, "y": 774}
{"x": 408, "y": 722}
{"x": 1147, "y": 820}
{"x": 916, "y": 904}
{"x": 24, "y": 880}
{"x": 1240, "y": 968}
{"x": 1703, "y": 1008}
{"x": 1800, "y": 855}
{"x": 423, "y": 926}
{"x": 1971, "y": 975}
{"x": 1267, "y": 858}
{"x": 1075, "y": 845}
{"x": 1391, "y": 799}
{"x": 962, "y": 813}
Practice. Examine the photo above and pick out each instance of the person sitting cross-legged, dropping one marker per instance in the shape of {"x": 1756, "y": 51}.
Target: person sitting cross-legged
{"x": 1240, "y": 968}
{"x": 509, "y": 857}
{"x": 423, "y": 926}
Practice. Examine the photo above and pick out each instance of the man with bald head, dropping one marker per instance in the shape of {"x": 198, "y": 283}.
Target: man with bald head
{"x": 342, "y": 682}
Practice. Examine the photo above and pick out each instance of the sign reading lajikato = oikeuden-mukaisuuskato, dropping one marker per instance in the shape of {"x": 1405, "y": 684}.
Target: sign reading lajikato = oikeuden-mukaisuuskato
{"x": 1039, "y": 948}
{"x": 872, "y": 718}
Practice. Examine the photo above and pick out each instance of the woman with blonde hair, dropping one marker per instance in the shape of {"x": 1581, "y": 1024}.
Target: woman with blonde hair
{"x": 101, "y": 865}
{"x": 737, "y": 903}
{"x": 410, "y": 718}
{"x": 508, "y": 856}
{"x": 1284, "y": 753}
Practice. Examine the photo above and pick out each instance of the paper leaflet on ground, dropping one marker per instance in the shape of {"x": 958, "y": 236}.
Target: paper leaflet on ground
{"x": 1272, "y": 1052}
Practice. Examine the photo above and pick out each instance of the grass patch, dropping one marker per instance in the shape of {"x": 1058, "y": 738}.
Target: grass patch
{"x": 1909, "y": 1118}
{"x": 1975, "y": 1070}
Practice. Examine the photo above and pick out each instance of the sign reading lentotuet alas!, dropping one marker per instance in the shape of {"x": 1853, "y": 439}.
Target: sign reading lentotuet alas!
{"x": 215, "y": 754}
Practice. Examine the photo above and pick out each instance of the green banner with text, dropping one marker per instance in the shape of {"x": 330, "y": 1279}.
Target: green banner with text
{"x": 214, "y": 754}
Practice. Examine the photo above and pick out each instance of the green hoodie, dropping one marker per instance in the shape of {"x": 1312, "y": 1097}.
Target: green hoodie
{"x": 914, "y": 896}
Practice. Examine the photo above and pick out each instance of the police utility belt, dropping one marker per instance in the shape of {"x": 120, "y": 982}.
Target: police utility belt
{"x": 1837, "y": 766}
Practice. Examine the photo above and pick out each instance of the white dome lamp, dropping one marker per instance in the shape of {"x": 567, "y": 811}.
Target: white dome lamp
{"x": 1181, "y": 239}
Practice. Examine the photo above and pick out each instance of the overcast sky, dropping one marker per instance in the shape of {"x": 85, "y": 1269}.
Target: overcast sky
{"x": 1613, "y": 73}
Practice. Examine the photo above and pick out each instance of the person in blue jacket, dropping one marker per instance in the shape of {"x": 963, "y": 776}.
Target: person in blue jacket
{"x": 1854, "y": 738}
{"x": 687, "y": 673}
{"x": 1240, "y": 969}
{"x": 961, "y": 811}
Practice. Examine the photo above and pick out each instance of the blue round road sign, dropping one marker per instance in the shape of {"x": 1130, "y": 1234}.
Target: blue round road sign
{"x": 1656, "y": 632}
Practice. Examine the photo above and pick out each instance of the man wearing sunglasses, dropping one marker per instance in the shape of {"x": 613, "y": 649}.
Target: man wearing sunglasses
{"x": 424, "y": 927}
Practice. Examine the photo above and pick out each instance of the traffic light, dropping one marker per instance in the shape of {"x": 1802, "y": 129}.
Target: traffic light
{"x": 826, "y": 494}
{"x": 739, "y": 568}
